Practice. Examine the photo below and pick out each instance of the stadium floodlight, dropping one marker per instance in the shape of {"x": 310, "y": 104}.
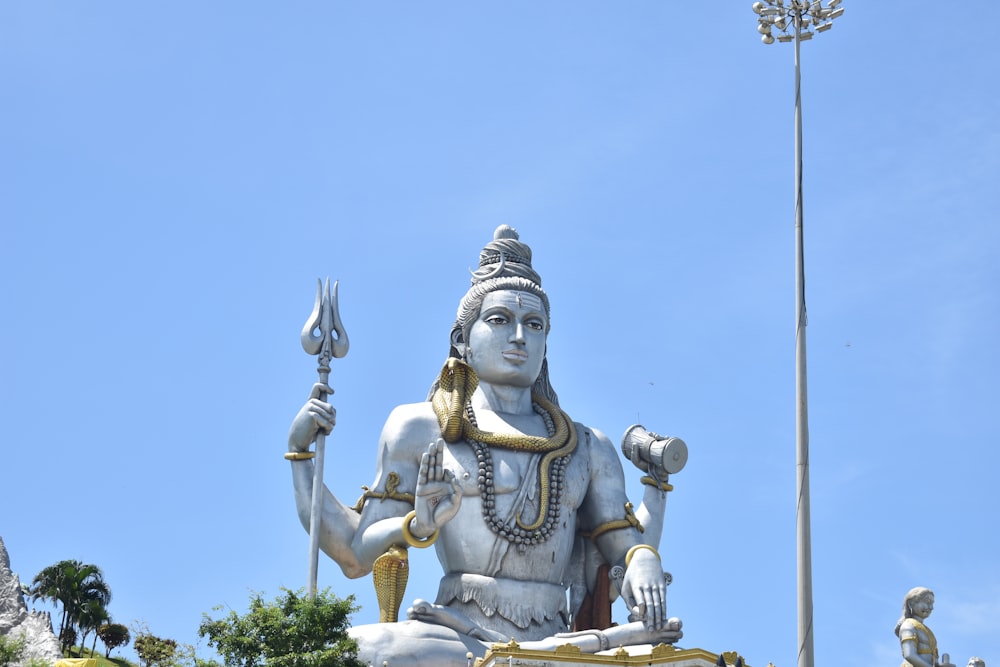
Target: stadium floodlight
{"x": 795, "y": 17}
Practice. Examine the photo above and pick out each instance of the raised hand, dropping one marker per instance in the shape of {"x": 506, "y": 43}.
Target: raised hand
{"x": 438, "y": 495}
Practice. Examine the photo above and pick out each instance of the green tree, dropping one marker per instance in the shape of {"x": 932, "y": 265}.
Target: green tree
{"x": 155, "y": 651}
{"x": 11, "y": 650}
{"x": 113, "y": 635}
{"x": 73, "y": 585}
{"x": 291, "y": 631}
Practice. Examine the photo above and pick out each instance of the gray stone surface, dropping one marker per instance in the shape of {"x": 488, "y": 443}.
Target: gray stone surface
{"x": 17, "y": 622}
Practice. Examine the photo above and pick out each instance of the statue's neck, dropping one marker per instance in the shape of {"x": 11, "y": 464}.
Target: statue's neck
{"x": 502, "y": 398}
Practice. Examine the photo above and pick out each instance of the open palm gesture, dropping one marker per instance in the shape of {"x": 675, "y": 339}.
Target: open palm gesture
{"x": 438, "y": 495}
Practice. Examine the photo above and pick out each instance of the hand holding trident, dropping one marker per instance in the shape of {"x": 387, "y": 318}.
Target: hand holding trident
{"x": 330, "y": 342}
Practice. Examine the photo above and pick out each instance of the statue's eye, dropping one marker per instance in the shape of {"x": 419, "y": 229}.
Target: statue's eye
{"x": 496, "y": 319}
{"x": 536, "y": 325}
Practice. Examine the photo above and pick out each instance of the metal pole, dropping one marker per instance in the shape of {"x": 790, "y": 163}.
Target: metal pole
{"x": 316, "y": 512}
{"x": 803, "y": 536}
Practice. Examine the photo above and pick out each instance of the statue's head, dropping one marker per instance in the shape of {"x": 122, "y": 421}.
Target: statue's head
{"x": 504, "y": 266}
{"x": 976, "y": 662}
{"x": 918, "y": 603}
{"x": 918, "y": 596}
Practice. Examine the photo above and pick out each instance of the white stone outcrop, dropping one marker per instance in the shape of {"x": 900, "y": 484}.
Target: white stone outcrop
{"x": 16, "y": 622}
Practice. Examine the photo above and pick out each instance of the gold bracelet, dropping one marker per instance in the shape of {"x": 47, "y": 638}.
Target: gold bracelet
{"x": 662, "y": 486}
{"x": 631, "y": 552}
{"x": 411, "y": 539}
{"x": 299, "y": 456}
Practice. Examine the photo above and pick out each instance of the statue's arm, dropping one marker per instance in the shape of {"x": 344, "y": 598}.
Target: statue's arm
{"x": 650, "y": 514}
{"x": 643, "y": 587}
{"x": 338, "y": 522}
{"x": 406, "y": 438}
{"x": 338, "y": 525}
{"x": 351, "y": 539}
{"x": 657, "y": 458}
{"x": 605, "y": 499}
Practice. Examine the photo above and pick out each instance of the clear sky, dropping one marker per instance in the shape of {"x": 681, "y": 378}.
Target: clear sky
{"x": 174, "y": 177}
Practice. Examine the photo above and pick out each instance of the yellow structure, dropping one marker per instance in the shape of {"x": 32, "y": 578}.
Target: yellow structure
{"x": 76, "y": 662}
{"x": 511, "y": 654}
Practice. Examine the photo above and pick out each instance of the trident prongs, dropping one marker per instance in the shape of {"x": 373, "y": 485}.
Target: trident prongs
{"x": 332, "y": 341}
{"x": 312, "y": 343}
{"x": 340, "y": 344}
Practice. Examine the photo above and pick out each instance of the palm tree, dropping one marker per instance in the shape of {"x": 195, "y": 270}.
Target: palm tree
{"x": 49, "y": 584}
{"x": 92, "y": 596}
{"x": 92, "y": 616}
{"x": 73, "y": 585}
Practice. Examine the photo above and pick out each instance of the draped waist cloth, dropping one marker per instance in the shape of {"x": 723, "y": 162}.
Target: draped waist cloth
{"x": 520, "y": 602}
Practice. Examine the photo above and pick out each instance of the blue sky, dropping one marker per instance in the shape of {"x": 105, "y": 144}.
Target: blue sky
{"x": 175, "y": 176}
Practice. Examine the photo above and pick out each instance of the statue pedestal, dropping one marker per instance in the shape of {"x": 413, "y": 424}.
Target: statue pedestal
{"x": 508, "y": 655}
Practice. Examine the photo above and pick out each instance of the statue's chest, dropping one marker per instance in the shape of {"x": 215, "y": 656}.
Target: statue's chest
{"x": 504, "y": 472}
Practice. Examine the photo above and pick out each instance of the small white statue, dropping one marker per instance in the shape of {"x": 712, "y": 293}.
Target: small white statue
{"x": 917, "y": 642}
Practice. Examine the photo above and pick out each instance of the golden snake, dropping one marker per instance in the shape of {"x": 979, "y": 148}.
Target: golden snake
{"x": 457, "y": 382}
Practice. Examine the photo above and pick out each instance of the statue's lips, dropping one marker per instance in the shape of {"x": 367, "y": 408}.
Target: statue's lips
{"x": 515, "y": 355}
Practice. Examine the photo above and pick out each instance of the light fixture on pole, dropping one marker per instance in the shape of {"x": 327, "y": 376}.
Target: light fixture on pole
{"x": 792, "y": 22}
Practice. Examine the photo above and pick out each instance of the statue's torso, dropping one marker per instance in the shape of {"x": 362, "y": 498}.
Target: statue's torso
{"x": 469, "y": 545}
{"x": 466, "y": 543}
{"x": 915, "y": 631}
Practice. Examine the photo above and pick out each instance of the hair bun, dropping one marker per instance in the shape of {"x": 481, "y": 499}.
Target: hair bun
{"x": 506, "y": 255}
{"x": 506, "y": 232}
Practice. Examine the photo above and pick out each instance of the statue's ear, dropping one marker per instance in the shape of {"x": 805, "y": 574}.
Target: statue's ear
{"x": 458, "y": 342}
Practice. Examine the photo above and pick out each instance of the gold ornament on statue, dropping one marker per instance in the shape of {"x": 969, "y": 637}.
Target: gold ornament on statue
{"x": 389, "y": 574}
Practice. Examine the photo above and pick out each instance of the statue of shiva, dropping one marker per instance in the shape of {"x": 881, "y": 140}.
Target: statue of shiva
{"x": 526, "y": 508}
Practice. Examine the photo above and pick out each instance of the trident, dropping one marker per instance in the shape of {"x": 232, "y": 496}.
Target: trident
{"x": 330, "y": 342}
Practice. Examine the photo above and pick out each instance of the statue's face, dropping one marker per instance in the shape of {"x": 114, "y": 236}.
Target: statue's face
{"x": 506, "y": 343}
{"x": 923, "y": 606}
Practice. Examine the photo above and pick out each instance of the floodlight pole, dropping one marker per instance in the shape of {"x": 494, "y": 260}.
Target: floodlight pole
{"x": 803, "y": 530}
{"x": 798, "y": 15}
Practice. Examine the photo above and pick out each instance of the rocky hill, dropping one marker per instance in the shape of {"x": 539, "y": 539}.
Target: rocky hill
{"x": 17, "y": 622}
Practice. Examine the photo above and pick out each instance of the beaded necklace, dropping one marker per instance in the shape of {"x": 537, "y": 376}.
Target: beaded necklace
{"x": 551, "y": 485}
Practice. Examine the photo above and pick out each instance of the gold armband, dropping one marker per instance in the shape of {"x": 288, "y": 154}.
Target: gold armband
{"x": 630, "y": 521}
{"x": 299, "y": 456}
{"x": 392, "y": 492}
{"x": 631, "y": 552}
{"x": 411, "y": 539}
{"x": 662, "y": 486}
